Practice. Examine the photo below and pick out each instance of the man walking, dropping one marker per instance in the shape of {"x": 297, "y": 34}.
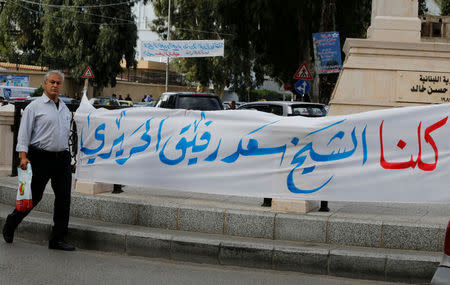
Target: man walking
{"x": 43, "y": 142}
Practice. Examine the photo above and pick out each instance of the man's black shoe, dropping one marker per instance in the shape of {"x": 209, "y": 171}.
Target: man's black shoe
{"x": 61, "y": 245}
{"x": 8, "y": 233}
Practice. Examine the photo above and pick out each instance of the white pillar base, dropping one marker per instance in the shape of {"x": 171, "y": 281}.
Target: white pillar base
{"x": 5, "y": 170}
{"x": 92, "y": 188}
{"x": 294, "y": 205}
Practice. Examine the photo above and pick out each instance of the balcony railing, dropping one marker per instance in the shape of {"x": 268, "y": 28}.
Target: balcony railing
{"x": 435, "y": 27}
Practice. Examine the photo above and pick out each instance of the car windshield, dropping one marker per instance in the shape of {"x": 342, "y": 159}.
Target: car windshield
{"x": 308, "y": 111}
{"x": 204, "y": 103}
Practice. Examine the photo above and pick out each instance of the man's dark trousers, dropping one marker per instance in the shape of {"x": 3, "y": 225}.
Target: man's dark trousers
{"x": 54, "y": 166}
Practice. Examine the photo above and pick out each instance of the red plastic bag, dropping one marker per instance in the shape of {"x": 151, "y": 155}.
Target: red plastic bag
{"x": 24, "y": 200}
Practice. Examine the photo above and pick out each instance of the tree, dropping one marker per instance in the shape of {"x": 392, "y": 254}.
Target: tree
{"x": 263, "y": 37}
{"x": 445, "y": 7}
{"x": 422, "y": 7}
{"x": 20, "y": 33}
{"x": 199, "y": 20}
{"x": 71, "y": 35}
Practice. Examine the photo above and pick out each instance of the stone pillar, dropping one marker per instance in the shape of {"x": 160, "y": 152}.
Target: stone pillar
{"x": 6, "y": 139}
{"x": 386, "y": 69}
{"x": 395, "y": 20}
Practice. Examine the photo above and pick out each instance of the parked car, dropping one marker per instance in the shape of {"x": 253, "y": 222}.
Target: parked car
{"x": 104, "y": 101}
{"x": 144, "y": 104}
{"x": 227, "y": 105}
{"x": 15, "y": 93}
{"x": 126, "y": 103}
{"x": 442, "y": 274}
{"x": 190, "y": 101}
{"x": 288, "y": 108}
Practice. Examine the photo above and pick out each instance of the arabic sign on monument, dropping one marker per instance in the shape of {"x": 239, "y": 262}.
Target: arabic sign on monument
{"x": 392, "y": 155}
{"x": 423, "y": 87}
{"x": 327, "y": 52}
{"x": 200, "y": 48}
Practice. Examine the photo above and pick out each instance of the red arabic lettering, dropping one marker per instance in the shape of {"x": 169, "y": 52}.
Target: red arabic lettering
{"x": 412, "y": 163}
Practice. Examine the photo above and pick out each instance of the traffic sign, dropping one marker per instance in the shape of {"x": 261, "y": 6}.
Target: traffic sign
{"x": 88, "y": 73}
{"x": 302, "y": 87}
{"x": 303, "y": 73}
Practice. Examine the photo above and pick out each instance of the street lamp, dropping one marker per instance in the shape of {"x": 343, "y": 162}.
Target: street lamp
{"x": 2, "y": 3}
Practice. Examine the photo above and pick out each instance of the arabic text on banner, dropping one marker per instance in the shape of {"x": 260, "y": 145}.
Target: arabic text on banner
{"x": 394, "y": 155}
{"x": 200, "y": 48}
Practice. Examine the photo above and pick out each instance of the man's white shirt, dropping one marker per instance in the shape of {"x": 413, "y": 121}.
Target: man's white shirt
{"x": 44, "y": 126}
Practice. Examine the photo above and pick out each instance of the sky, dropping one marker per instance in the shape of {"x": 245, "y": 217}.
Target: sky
{"x": 433, "y": 7}
{"x": 144, "y": 16}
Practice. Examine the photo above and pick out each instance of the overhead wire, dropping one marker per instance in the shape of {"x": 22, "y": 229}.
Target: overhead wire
{"x": 125, "y": 22}
{"x": 72, "y": 20}
{"x": 74, "y": 6}
{"x": 81, "y": 12}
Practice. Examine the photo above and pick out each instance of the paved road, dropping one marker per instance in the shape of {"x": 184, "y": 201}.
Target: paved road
{"x": 27, "y": 263}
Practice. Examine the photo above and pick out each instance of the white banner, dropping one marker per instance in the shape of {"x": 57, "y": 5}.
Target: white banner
{"x": 395, "y": 155}
{"x": 200, "y": 48}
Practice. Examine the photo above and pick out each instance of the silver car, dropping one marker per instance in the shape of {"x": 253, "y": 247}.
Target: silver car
{"x": 288, "y": 108}
{"x": 442, "y": 274}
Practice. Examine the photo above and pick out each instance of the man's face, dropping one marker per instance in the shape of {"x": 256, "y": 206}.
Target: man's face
{"x": 53, "y": 85}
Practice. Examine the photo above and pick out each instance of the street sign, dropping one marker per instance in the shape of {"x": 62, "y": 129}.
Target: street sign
{"x": 302, "y": 87}
{"x": 303, "y": 73}
{"x": 88, "y": 73}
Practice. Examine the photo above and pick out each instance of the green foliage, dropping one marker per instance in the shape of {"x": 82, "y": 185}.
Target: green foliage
{"x": 38, "y": 92}
{"x": 70, "y": 38}
{"x": 20, "y": 33}
{"x": 445, "y": 8}
{"x": 98, "y": 37}
{"x": 264, "y": 37}
{"x": 422, "y": 7}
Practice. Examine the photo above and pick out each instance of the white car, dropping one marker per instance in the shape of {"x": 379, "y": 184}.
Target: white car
{"x": 15, "y": 93}
{"x": 288, "y": 108}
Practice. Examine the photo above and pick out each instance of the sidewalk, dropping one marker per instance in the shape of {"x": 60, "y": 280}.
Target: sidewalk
{"x": 396, "y": 242}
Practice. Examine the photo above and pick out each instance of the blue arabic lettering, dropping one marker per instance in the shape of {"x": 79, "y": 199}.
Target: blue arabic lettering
{"x": 137, "y": 149}
{"x": 98, "y": 136}
{"x": 300, "y": 158}
{"x": 183, "y": 145}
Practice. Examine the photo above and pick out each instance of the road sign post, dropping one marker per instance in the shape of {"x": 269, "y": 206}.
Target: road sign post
{"x": 87, "y": 74}
{"x": 302, "y": 87}
{"x": 303, "y": 73}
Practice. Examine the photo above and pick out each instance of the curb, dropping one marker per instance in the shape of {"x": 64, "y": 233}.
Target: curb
{"x": 353, "y": 262}
{"x": 315, "y": 227}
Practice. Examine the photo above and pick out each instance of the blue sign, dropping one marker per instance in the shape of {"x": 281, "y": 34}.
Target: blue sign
{"x": 14, "y": 80}
{"x": 327, "y": 52}
{"x": 302, "y": 87}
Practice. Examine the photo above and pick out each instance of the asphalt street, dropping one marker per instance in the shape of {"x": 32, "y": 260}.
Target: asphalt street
{"x": 27, "y": 263}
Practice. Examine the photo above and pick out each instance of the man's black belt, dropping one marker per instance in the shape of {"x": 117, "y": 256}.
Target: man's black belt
{"x": 38, "y": 150}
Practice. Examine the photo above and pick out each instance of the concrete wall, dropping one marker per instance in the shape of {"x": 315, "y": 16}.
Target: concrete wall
{"x": 6, "y": 139}
{"x": 136, "y": 90}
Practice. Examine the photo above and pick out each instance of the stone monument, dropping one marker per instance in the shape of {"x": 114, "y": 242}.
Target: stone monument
{"x": 392, "y": 67}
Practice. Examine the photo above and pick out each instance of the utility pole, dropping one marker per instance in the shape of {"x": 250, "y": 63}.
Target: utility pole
{"x": 2, "y": 4}
{"x": 168, "y": 39}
